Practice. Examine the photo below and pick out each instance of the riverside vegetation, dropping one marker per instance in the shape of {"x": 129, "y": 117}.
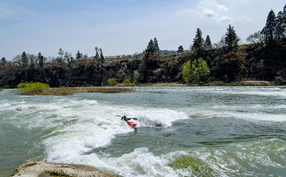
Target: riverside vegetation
{"x": 39, "y": 88}
{"x": 263, "y": 58}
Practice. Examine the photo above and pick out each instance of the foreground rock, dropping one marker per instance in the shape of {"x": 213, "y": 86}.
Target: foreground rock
{"x": 46, "y": 169}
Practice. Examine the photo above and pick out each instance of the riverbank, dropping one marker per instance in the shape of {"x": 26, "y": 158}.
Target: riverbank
{"x": 216, "y": 83}
{"x": 46, "y": 169}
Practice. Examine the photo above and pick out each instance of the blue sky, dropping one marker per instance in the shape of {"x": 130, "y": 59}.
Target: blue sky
{"x": 122, "y": 26}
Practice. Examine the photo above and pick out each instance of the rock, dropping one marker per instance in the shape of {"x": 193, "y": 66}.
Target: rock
{"x": 46, "y": 169}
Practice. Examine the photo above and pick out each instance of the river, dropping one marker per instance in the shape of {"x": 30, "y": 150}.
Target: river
{"x": 181, "y": 131}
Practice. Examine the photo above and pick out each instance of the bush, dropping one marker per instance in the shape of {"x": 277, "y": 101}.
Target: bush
{"x": 32, "y": 88}
{"x": 112, "y": 82}
{"x": 38, "y": 88}
{"x": 126, "y": 81}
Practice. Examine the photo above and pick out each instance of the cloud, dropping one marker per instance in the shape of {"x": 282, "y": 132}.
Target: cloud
{"x": 209, "y": 9}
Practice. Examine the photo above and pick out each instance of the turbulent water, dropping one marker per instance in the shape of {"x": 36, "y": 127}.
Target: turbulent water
{"x": 182, "y": 131}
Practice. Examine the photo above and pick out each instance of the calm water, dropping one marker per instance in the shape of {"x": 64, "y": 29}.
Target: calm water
{"x": 182, "y": 131}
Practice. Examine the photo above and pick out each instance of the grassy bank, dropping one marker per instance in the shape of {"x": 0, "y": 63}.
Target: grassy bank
{"x": 38, "y": 88}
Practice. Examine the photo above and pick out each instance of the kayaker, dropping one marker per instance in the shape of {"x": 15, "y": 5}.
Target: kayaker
{"x": 125, "y": 118}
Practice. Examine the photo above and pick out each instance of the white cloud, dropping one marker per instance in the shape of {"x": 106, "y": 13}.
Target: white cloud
{"x": 209, "y": 9}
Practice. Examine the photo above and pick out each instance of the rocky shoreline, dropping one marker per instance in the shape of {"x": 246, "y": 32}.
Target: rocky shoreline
{"x": 47, "y": 169}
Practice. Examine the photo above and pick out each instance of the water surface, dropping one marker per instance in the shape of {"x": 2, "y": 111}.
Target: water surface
{"x": 182, "y": 131}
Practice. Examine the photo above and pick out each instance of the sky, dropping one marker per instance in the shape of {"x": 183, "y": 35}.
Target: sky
{"x": 122, "y": 26}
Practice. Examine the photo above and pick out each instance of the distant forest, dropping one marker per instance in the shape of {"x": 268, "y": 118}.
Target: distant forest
{"x": 262, "y": 58}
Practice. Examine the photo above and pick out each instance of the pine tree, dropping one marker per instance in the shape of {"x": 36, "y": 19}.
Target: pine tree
{"x": 150, "y": 48}
{"x": 284, "y": 14}
{"x": 3, "y": 62}
{"x": 96, "y": 53}
{"x": 231, "y": 40}
{"x": 208, "y": 42}
{"x": 156, "y": 47}
{"x": 270, "y": 26}
{"x": 41, "y": 60}
{"x": 279, "y": 28}
{"x": 61, "y": 52}
{"x": 78, "y": 55}
{"x": 198, "y": 40}
{"x": 24, "y": 59}
{"x": 180, "y": 49}
{"x": 101, "y": 55}
{"x": 284, "y": 21}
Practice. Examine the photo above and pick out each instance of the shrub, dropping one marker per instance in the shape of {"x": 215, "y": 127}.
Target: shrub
{"x": 38, "y": 88}
{"x": 32, "y": 88}
{"x": 112, "y": 82}
{"x": 126, "y": 81}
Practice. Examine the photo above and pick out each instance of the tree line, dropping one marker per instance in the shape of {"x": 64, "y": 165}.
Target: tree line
{"x": 264, "y": 58}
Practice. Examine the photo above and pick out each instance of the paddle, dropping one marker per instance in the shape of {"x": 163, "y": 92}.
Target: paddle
{"x": 130, "y": 118}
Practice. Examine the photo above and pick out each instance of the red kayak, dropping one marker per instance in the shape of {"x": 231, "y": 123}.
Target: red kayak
{"x": 131, "y": 124}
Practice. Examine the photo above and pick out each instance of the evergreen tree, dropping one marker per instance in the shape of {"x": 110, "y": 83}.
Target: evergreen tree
{"x": 279, "y": 27}
{"x": 156, "y": 47}
{"x": 284, "y": 21}
{"x": 3, "y": 62}
{"x": 284, "y": 14}
{"x": 61, "y": 53}
{"x": 231, "y": 39}
{"x": 101, "y": 55}
{"x": 78, "y": 55}
{"x": 180, "y": 49}
{"x": 270, "y": 26}
{"x": 208, "y": 42}
{"x": 41, "y": 60}
{"x": 198, "y": 40}
{"x": 96, "y": 53}
{"x": 24, "y": 59}
{"x": 150, "y": 48}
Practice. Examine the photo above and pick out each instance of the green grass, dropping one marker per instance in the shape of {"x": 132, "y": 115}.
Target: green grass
{"x": 38, "y": 88}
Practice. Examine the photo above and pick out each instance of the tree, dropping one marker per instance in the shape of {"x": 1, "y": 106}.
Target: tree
{"x": 198, "y": 40}
{"x": 279, "y": 26}
{"x": 208, "y": 42}
{"x": 78, "y": 55}
{"x": 156, "y": 47}
{"x": 101, "y": 55}
{"x": 255, "y": 38}
{"x": 180, "y": 49}
{"x": 186, "y": 71}
{"x": 196, "y": 71}
{"x": 3, "y": 62}
{"x": 231, "y": 40}
{"x": 150, "y": 48}
{"x": 270, "y": 26}
{"x": 96, "y": 53}
{"x": 24, "y": 59}
{"x": 284, "y": 14}
{"x": 61, "y": 53}
{"x": 284, "y": 21}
